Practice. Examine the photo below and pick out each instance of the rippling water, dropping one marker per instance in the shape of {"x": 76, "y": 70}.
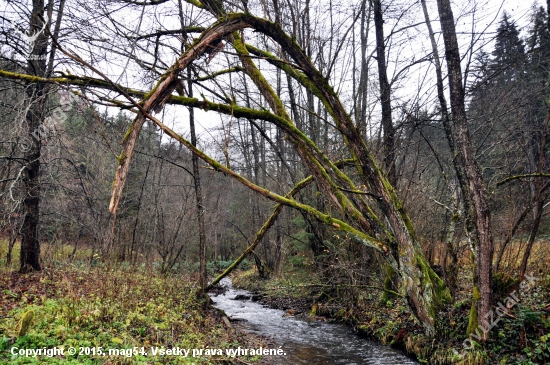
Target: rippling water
{"x": 305, "y": 341}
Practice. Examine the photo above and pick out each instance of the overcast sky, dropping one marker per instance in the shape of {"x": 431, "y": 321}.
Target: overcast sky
{"x": 487, "y": 16}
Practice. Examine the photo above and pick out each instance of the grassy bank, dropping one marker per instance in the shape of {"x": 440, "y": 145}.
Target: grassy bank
{"x": 128, "y": 310}
{"x": 520, "y": 336}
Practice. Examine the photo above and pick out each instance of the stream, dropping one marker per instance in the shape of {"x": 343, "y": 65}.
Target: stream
{"x": 304, "y": 341}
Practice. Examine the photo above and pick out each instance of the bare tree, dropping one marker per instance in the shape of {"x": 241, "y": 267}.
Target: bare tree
{"x": 480, "y": 213}
{"x": 36, "y": 93}
{"x": 385, "y": 94}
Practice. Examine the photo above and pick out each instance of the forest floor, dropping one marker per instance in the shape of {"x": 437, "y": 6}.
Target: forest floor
{"x": 83, "y": 303}
{"x": 96, "y": 308}
{"x": 519, "y": 335}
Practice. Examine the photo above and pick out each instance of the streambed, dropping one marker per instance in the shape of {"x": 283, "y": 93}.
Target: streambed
{"x": 304, "y": 341}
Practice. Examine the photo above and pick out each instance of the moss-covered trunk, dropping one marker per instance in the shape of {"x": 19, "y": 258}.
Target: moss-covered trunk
{"x": 374, "y": 217}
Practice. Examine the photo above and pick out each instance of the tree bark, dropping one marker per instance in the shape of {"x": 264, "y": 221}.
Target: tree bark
{"x": 30, "y": 245}
{"x": 536, "y": 224}
{"x": 55, "y": 36}
{"x": 481, "y": 214}
{"x": 539, "y": 200}
{"x": 385, "y": 95}
{"x": 11, "y": 243}
{"x": 203, "y": 281}
{"x": 452, "y": 270}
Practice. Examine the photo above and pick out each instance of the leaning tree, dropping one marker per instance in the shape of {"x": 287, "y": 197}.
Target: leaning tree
{"x": 363, "y": 204}
{"x": 373, "y": 215}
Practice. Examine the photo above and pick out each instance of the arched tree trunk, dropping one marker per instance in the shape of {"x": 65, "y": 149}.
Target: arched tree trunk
{"x": 372, "y": 214}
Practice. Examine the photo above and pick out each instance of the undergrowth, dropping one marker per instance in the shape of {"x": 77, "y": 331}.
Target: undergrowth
{"x": 521, "y": 336}
{"x": 79, "y": 307}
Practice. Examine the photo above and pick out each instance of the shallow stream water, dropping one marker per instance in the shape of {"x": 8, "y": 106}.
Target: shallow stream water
{"x": 305, "y": 341}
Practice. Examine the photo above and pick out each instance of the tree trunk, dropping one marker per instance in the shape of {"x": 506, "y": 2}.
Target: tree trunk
{"x": 361, "y": 118}
{"x": 30, "y": 245}
{"x": 539, "y": 200}
{"x": 452, "y": 270}
{"x": 13, "y": 239}
{"x": 55, "y": 35}
{"x": 536, "y": 224}
{"x": 261, "y": 233}
{"x": 198, "y": 192}
{"x": 481, "y": 214}
{"x": 385, "y": 95}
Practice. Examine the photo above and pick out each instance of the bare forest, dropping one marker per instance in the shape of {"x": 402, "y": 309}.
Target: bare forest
{"x": 384, "y": 164}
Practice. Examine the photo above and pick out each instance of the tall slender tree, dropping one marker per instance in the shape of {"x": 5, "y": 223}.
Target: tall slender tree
{"x": 385, "y": 94}
{"x": 479, "y": 212}
{"x": 203, "y": 276}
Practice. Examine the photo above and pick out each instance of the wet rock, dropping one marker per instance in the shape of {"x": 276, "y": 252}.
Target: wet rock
{"x": 218, "y": 289}
{"x": 242, "y": 297}
{"x": 237, "y": 320}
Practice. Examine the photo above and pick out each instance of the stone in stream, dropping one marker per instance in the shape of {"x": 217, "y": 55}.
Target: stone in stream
{"x": 242, "y": 297}
{"x": 237, "y": 319}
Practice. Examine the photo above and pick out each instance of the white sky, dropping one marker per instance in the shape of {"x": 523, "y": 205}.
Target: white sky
{"x": 487, "y": 12}
{"x": 487, "y": 17}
